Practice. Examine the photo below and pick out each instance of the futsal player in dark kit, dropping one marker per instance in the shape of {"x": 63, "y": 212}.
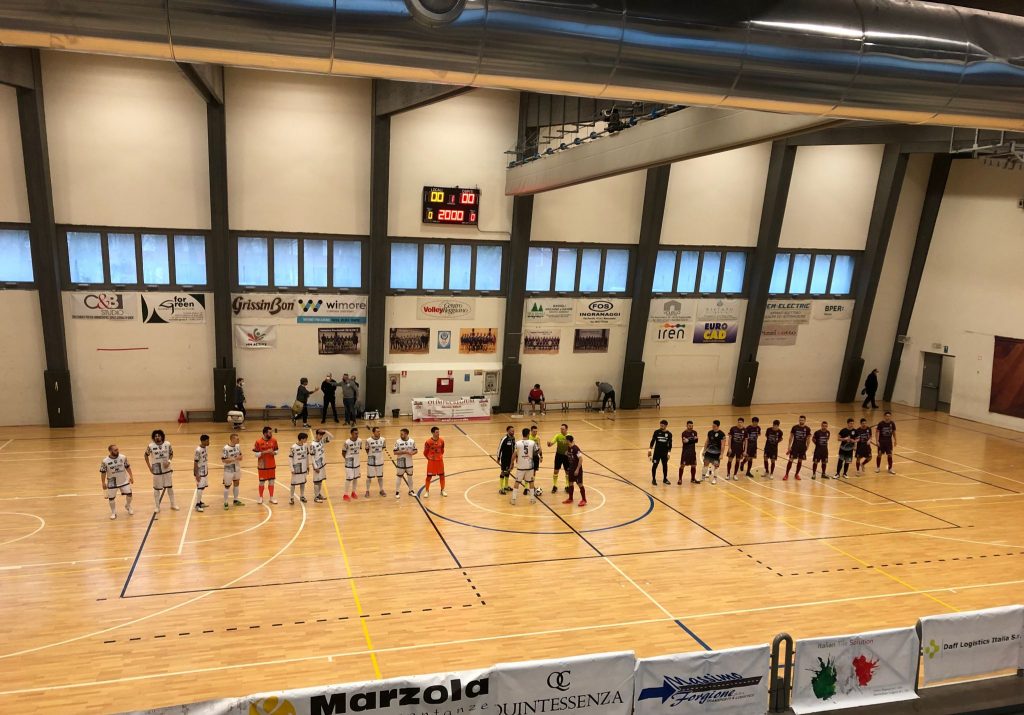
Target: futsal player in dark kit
{"x": 658, "y": 451}
{"x": 886, "y": 434}
{"x": 688, "y": 458}
{"x": 797, "y": 451}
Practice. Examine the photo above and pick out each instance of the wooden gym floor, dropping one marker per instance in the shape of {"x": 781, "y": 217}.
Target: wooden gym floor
{"x": 104, "y": 615}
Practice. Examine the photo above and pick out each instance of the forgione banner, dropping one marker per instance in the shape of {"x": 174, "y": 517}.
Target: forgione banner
{"x": 598, "y": 684}
{"x": 465, "y": 692}
{"x": 104, "y": 305}
{"x": 972, "y": 643}
{"x": 855, "y": 670}
{"x": 733, "y": 681}
{"x": 173, "y": 308}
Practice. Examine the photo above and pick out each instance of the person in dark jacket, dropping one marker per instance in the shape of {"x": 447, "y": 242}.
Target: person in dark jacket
{"x": 240, "y": 399}
{"x": 329, "y": 387}
{"x": 299, "y": 408}
{"x": 870, "y": 388}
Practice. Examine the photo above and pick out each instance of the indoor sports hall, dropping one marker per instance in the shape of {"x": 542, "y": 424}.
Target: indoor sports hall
{"x": 438, "y": 357}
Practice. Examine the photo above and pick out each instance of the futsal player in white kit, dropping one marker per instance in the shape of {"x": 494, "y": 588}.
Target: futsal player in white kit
{"x": 231, "y": 458}
{"x": 116, "y": 476}
{"x": 201, "y": 469}
{"x": 318, "y": 461}
{"x": 375, "y": 461}
{"x": 298, "y": 455}
{"x": 405, "y": 448}
{"x": 158, "y": 456}
{"x": 526, "y": 451}
{"x": 353, "y": 446}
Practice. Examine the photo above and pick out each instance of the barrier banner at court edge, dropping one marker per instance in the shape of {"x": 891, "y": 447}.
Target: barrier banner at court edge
{"x": 600, "y": 684}
{"x": 855, "y": 670}
{"x": 956, "y": 645}
{"x": 732, "y": 682}
{"x": 465, "y": 693}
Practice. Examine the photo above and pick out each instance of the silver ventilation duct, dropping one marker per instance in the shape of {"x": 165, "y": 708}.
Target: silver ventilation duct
{"x": 888, "y": 60}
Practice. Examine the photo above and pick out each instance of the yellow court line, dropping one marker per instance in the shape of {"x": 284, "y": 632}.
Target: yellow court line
{"x": 355, "y": 591}
{"x": 850, "y": 556}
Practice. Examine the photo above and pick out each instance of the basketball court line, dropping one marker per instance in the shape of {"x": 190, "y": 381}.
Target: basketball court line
{"x": 950, "y": 471}
{"x": 188, "y": 519}
{"x": 236, "y": 533}
{"x": 4, "y": 445}
{"x": 896, "y": 501}
{"x": 42, "y": 525}
{"x": 138, "y": 554}
{"x": 329, "y": 657}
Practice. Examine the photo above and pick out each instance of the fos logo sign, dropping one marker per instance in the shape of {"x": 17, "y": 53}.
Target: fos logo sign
{"x": 601, "y": 306}
{"x": 559, "y": 680}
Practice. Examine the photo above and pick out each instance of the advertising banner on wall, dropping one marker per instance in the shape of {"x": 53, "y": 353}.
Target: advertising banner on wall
{"x": 600, "y": 684}
{"x": 338, "y": 341}
{"x": 670, "y": 332}
{"x": 833, "y": 309}
{"x": 733, "y": 682}
{"x": 672, "y": 310}
{"x": 972, "y": 643}
{"x": 104, "y": 305}
{"x": 467, "y": 691}
{"x": 162, "y": 308}
{"x": 715, "y": 332}
{"x": 336, "y": 309}
{"x": 445, "y": 308}
{"x": 549, "y": 311}
{"x": 265, "y": 308}
{"x": 718, "y": 309}
{"x": 466, "y": 409}
{"x": 792, "y": 312}
{"x": 855, "y": 670}
{"x": 600, "y": 311}
{"x": 256, "y": 337}
{"x": 541, "y": 342}
{"x": 779, "y": 334}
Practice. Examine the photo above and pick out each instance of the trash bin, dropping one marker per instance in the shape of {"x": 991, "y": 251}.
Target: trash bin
{"x": 394, "y": 413}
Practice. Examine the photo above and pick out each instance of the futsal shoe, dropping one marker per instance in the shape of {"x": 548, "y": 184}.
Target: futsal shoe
{"x": 444, "y": 493}
{"x": 785, "y": 478}
{"x": 367, "y": 495}
{"x": 665, "y": 481}
{"x": 273, "y": 500}
{"x": 113, "y": 516}
{"x": 567, "y": 501}
{"x": 426, "y": 493}
{"x": 555, "y": 487}
{"x": 226, "y": 505}
{"x": 877, "y": 470}
{"x": 355, "y": 497}
{"x": 238, "y": 502}
{"x": 345, "y": 498}
{"x": 797, "y": 477}
{"x": 583, "y": 502}
{"x": 291, "y": 500}
{"x": 382, "y": 493}
{"x": 714, "y": 480}
{"x": 258, "y": 501}
{"x": 302, "y": 499}
{"x": 654, "y": 482}
{"x": 412, "y": 492}
{"x": 892, "y": 471}
{"x": 175, "y": 507}
{"x": 200, "y": 506}
{"x": 129, "y": 510}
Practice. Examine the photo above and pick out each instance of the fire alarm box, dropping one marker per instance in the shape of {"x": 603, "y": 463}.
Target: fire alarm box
{"x": 445, "y": 384}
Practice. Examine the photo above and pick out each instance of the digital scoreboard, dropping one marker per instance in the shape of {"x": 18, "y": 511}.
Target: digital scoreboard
{"x": 451, "y": 205}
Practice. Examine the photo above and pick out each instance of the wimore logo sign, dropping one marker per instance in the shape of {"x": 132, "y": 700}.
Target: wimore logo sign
{"x": 402, "y": 697}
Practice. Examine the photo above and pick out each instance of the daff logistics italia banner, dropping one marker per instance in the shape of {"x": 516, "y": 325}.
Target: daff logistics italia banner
{"x": 972, "y": 643}
{"x": 466, "y": 692}
{"x": 722, "y": 682}
{"x": 600, "y": 684}
{"x": 855, "y": 670}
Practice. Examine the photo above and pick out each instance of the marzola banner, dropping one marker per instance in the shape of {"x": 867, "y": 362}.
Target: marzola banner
{"x": 733, "y": 681}
{"x": 466, "y": 409}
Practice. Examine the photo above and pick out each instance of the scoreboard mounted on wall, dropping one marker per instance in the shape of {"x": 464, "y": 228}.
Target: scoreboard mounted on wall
{"x": 451, "y": 205}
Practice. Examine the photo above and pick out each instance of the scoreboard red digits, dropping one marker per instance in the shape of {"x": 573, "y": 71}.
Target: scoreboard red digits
{"x": 451, "y": 205}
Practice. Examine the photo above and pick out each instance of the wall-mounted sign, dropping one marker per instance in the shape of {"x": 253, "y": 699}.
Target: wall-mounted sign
{"x": 791, "y": 312}
{"x": 715, "y": 333}
{"x": 549, "y": 311}
{"x": 160, "y": 308}
{"x": 835, "y": 310}
{"x": 103, "y": 305}
{"x": 451, "y": 205}
{"x": 445, "y": 308}
{"x": 600, "y": 311}
{"x": 672, "y": 310}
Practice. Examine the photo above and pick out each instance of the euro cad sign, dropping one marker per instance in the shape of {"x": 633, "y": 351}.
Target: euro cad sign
{"x": 271, "y": 706}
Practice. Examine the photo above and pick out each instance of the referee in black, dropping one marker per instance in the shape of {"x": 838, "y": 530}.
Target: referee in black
{"x": 506, "y": 451}
{"x": 658, "y": 451}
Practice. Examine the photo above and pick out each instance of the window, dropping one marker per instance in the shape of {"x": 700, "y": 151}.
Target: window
{"x": 16, "y": 249}
{"x": 124, "y": 268}
{"x": 190, "y": 260}
{"x": 127, "y": 257}
{"x": 705, "y": 271}
{"x": 820, "y": 273}
{"x": 85, "y": 257}
{"x": 299, "y": 263}
{"x": 156, "y": 264}
{"x": 448, "y": 266}
{"x": 558, "y": 268}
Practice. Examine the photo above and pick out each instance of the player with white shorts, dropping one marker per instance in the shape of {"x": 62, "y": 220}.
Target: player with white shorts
{"x": 298, "y": 455}
{"x": 352, "y": 449}
{"x": 231, "y": 458}
{"x": 375, "y": 461}
{"x": 318, "y": 461}
{"x": 405, "y": 448}
{"x": 158, "y": 456}
{"x": 526, "y": 466}
{"x": 201, "y": 469}
{"x": 116, "y": 476}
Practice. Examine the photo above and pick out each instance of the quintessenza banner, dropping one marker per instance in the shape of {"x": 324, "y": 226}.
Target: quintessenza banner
{"x": 595, "y": 684}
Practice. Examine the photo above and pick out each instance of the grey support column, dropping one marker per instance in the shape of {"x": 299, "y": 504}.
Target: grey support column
{"x": 380, "y": 181}
{"x": 515, "y": 297}
{"x": 937, "y": 179}
{"x": 655, "y": 195}
{"x": 43, "y": 235}
{"x": 883, "y": 211}
{"x": 776, "y": 193}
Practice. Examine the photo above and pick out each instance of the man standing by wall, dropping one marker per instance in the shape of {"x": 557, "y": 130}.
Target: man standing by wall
{"x": 870, "y": 388}
{"x": 349, "y": 393}
{"x": 606, "y": 394}
{"x": 329, "y": 388}
{"x": 240, "y": 399}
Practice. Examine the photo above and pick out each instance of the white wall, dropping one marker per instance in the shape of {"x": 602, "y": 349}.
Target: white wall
{"x": 892, "y": 282}
{"x": 127, "y": 142}
{"x": 830, "y": 197}
{"x": 23, "y": 359}
{"x": 130, "y": 371}
{"x": 971, "y": 288}
{"x": 298, "y": 152}
{"x": 456, "y": 142}
{"x": 717, "y": 199}
{"x": 604, "y": 211}
{"x": 13, "y": 195}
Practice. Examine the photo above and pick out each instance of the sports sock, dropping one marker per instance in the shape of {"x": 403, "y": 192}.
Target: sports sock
{"x": 113, "y": 505}
{"x": 227, "y": 490}
{"x": 261, "y": 488}
{"x": 888, "y": 458}
{"x": 128, "y": 501}
{"x": 316, "y": 488}
{"x": 568, "y": 490}
{"x": 234, "y": 490}
{"x": 429, "y": 479}
{"x": 583, "y": 493}
{"x": 846, "y": 468}
{"x": 270, "y": 487}
{"x": 789, "y": 464}
{"x": 156, "y": 498}
{"x": 302, "y": 490}
{"x": 441, "y": 479}
{"x": 878, "y": 461}
{"x": 170, "y": 495}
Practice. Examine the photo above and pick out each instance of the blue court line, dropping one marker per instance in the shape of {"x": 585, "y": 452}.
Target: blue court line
{"x": 693, "y": 635}
{"x": 138, "y": 554}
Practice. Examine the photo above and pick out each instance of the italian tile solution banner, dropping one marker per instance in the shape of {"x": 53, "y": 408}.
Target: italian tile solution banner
{"x": 722, "y": 682}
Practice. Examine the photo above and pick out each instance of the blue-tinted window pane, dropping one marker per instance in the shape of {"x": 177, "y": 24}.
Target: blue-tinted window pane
{"x": 709, "y": 271}
{"x": 404, "y": 266}
{"x": 664, "y": 271}
{"x": 616, "y": 270}
{"x": 85, "y": 256}
{"x": 314, "y": 263}
{"x": 156, "y": 269}
{"x": 780, "y": 273}
{"x": 842, "y": 275}
{"x": 348, "y": 264}
{"x": 286, "y": 262}
{"x": 732, "y": 277}
{"x": 565, "y": 270}
{"x": 819, "y": 276}
{"x": 590, "y": 270}
{"x": 538, "y": 269}
{"x": 190, "y": 260}
{"x": 433, "y": 266}
{"x": 801, "y": 269}
{"x": 121, "y": 254}
{"x": 488, "y": 267}
{"x": 687, "y": 272}
{"x": 459, "y": 267}
{"x": 253, "y": 265}
{"x": 17, "y": 256}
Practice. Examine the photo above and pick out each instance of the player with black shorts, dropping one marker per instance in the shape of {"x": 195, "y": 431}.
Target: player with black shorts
{"x": 772, "y": 438}
{"x": 713, "y": 452}
{"x": 688, "y": 458}
{"x": 658, "y": 451}
{"x": 847, "y": 442}
{"x": 886, "y": 437}
{"x": 574, "y": 470}
{"x": 820, "y": 440}
{"x": 737, "y": 449}
{"x": 797, "y": 450}
{"x": 506, "y": 452}
{"x": 863, "y": 434}
{"x": 753, "y": 434}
